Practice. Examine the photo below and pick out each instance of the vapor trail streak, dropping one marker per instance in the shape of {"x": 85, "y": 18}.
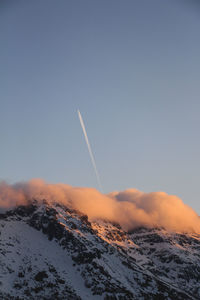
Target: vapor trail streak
{"x": 90, "y": 150}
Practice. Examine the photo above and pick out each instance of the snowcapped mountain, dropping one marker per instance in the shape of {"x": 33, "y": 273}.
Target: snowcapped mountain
{"x": 52, "y": 252}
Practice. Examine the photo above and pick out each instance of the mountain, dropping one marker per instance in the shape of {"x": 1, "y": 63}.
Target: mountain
{"x": 48, "y": 251}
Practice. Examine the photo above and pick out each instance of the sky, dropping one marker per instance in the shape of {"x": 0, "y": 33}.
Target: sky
{"x": 132, "y": 68}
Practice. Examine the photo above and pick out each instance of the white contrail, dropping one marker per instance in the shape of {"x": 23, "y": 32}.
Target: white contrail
{"x": 90, "y": 150}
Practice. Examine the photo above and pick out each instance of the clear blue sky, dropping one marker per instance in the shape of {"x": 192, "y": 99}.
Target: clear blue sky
{"x": 133, "y": 70}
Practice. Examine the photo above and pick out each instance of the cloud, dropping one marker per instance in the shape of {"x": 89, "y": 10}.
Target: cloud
{"x": 130, "y": 208}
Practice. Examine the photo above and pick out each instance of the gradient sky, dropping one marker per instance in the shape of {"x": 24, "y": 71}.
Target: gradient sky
{"x": 133, "y": 70}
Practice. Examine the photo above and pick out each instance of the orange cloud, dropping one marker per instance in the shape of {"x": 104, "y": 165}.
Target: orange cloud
{"x": 130, "y": 208}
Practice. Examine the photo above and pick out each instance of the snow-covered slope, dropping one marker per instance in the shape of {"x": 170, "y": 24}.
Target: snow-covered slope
{"x": 52, "y": 252}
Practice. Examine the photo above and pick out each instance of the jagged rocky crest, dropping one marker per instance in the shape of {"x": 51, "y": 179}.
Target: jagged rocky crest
{"x": 53, "y": 252}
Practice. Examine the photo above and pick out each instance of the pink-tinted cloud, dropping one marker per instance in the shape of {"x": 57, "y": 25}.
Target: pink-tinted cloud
{"x": 130, "y": 208}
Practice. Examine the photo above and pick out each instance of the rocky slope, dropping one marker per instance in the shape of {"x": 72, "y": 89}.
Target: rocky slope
{"x": 52, "y": 252}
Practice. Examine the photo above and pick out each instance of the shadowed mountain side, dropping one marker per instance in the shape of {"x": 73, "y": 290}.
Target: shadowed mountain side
{"x": 49, "y": 251}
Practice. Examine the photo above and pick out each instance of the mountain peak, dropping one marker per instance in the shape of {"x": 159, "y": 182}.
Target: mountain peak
{"x": 50, "y": 251}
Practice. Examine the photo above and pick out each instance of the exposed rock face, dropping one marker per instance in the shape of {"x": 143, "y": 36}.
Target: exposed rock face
{"x": 52, "y": 252}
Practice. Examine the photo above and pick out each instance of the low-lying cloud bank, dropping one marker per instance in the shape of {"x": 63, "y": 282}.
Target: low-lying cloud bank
{"x": 130, "y": 208}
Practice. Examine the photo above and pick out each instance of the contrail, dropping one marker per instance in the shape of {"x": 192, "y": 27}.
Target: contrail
{"x": 90, "y": 150}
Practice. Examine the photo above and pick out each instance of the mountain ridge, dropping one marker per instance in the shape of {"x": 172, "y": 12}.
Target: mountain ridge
{"x": 49, "y": 251}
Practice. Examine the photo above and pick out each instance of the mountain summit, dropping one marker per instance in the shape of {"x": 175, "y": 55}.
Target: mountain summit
{"x": 48, "y": 251}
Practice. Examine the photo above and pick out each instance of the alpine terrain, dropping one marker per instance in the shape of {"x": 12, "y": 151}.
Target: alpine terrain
{"x": 48, "y": 251}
